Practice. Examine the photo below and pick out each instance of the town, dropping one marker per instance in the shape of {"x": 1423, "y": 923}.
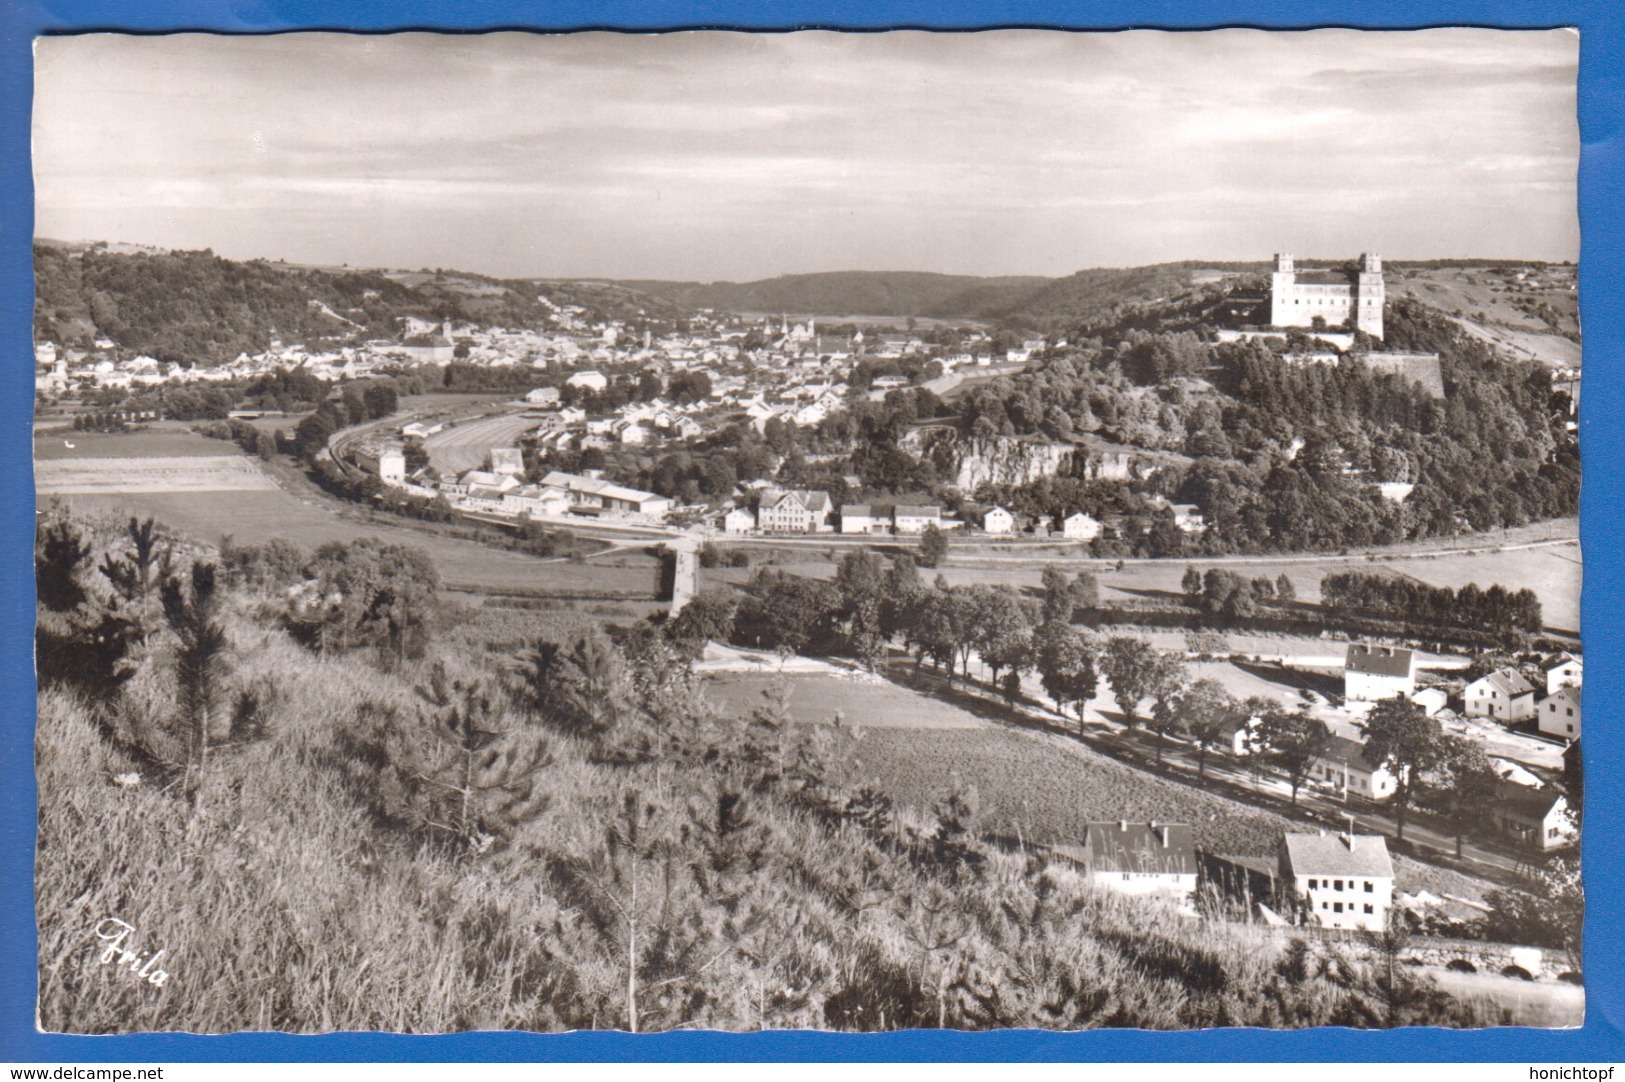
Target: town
{"x": 593, "y": 399}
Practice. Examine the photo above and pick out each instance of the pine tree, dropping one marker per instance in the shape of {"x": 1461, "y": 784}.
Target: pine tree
{"x": 192, "y": 610}
{"x": 472, "y": 777}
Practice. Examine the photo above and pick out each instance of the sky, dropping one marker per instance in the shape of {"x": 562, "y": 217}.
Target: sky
{"x": 728, "y": 156}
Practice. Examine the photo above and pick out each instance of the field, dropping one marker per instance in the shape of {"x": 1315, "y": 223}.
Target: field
{"x": 465, "y": 446}
{"x": 1474, "y": 292}
{"x": 860, "y": 700}
{"x": 1038, "y": 786}
{"x": 189, "y": 474}
{"x": 52, "y": 444}
{"x": 1046, "y": 788}
{"x": 256, "y": 517}
{"x": 1042, "y": 786}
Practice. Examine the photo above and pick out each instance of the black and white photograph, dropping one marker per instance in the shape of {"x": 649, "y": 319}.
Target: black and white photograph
{"x": 860, "y": 532}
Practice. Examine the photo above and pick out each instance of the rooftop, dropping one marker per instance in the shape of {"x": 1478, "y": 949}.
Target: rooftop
{"x": 1333, "y": 854}
{"x": 1122, "y": 846}
{"x": 1364, "y": 657}
{"x": 1509, "y": 682}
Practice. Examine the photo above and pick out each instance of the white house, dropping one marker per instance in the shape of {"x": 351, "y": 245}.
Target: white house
{"x": 483, "y": 498}
{"x": 998, "y": 520}
{"x": 1244, "y": 738}
{"x": 1561, "y": 669}
{"x": 535, "y": 500}
{"x": 388, "y": 463}
{"x": 1372, "y": 672}
{"x": 632, "y": 432}
{"x": 392, "y": 466}
{"x": 590, "y": 378}
{"x": 1137, "y": 858}
{"x": 1431, "y": 700}
{"x": 1537, "y": 818}
{"x": 507, "y": 460}
{"x": 1503, "y": 694}
{"x": 543, "y": 396}
{"x": 911, "y": 518}
{"x": 1341, "y": 766}
{"x": 1188, "y": 517}
{"x": 1560, "y": 714}
{"x": 793, "y": 511}
{"x": 1340, "y": 880}
{"x": 1080, "y": 527}
{"x": 858, "y": 518}
{"x": 738, "y": 520}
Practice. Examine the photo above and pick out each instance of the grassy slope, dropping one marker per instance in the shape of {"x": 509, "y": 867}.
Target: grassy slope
{"x": 296, "y": 903}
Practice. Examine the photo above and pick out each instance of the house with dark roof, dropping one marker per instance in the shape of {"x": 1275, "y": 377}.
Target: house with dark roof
{"x": 1503, "y": 694}
{"x": 1137, "y": 858}
{"x": 1340, "y": 880}
{"x": 1373, "y": 672}
{"x": 1341, "y": 767}
{"x": 1537, "y": 818}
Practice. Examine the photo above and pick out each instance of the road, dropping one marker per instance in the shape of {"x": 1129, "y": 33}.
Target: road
{"x": 1230, "y": 777}
{"x": 962, "y": 556}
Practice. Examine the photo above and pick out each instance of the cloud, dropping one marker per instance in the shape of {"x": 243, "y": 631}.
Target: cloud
{"x": 1005, "y": 152}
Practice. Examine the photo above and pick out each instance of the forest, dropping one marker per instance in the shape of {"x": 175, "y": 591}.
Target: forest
{"x": 196, "y": 308}
{"x": 1280, "y": 456}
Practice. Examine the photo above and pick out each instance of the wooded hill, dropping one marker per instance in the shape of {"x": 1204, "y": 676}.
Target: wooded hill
{"x": 197, "y": 308}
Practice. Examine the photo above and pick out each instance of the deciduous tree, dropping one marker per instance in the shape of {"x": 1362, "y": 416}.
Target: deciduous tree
{"x": 1292, "y": 739}
{"x": 1400, "y": 736}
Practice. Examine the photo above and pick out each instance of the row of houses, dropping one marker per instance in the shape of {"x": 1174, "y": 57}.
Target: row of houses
{"x": 1372, "y": 673}
{"x": 782, "y": 511}
{"x": 1343, "y": 881}
{"x": 811, "y": 511}
{"x": 1509, "y": 697}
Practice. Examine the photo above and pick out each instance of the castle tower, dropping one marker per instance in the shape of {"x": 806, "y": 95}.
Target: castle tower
{"x": 1369, "y": 294}
{"x": 1282, "y": 283}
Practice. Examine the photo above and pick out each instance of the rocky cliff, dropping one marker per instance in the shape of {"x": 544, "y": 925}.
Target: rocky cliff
{"x": 1010, "y": 460}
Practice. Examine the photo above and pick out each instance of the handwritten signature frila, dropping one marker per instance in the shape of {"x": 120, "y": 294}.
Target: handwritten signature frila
{"x": 117, "y": 935}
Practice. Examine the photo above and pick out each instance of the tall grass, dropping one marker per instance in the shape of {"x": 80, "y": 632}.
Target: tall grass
{"x": 664, "y": 891}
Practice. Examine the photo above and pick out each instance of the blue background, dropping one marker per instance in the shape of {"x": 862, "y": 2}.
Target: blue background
{"x": 1602, "y": 108}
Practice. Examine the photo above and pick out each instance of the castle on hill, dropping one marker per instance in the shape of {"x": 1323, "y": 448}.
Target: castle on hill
{"x": 1338, "y": 297}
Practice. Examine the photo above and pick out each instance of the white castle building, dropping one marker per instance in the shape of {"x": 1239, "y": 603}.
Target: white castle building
{"x": 1338, "y": 297}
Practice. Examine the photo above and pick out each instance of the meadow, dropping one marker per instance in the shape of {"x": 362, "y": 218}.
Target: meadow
{"x": 164, "y": 440}
{"x": 256, "y": 517}
{"x": 859, "y": 700}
